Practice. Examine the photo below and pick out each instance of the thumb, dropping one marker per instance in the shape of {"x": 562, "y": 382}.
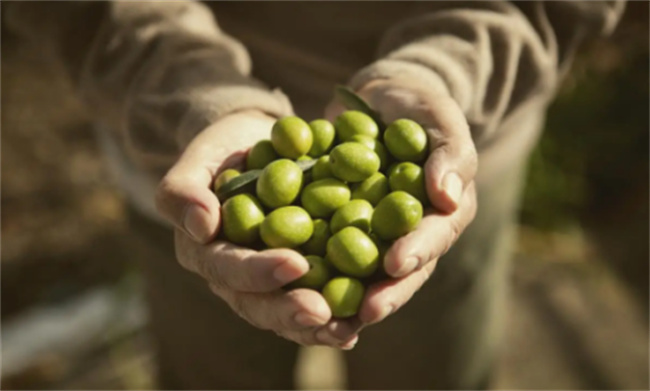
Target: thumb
{"x": 453, "y": 160}
{"x": 184, "y": 197}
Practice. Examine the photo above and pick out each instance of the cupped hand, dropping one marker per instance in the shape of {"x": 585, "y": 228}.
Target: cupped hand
{"x": 449, "y": 176}
{"x": 248, "y": 281}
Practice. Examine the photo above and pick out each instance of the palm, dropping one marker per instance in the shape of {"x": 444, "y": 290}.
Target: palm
{"x": 225, "y": 143}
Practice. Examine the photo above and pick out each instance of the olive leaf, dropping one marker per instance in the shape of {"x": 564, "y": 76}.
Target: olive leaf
{"x": 352, "y": 101}
{"x": 246, "y": 181}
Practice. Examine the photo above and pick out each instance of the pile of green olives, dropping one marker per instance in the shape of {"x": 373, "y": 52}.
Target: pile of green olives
{"x": 365, "y": 190}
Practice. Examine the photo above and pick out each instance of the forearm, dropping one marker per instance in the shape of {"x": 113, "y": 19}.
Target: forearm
{"x": 491, "y": 57}
{"x": 157, "y": 73}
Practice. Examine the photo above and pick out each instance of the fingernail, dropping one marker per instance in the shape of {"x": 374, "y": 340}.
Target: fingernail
{"x": 407, "y": 267}
{"x": 453, "y": 186}
{"x": 350, "y": 345}
{"x": 194, "y": 223}
{"x": 287, "y": 272}
{"x": 325, "y": 337}
{"x": 307, "y": 319}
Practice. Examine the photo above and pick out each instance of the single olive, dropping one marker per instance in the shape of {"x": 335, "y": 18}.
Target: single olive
{"x": 352, "y": 252}
{"x": 344, "y": 296}
{"x": 317, "y": 244}
{"x": 356, "y": 213}
{"x": 352, "y": 122}
{"x": 291, "y": 137}
{"x": 376, "y": 146}
{"x": 242, "y": 217}
{"x": 323, "y": 133}
{"x": 409, "y": 177}
{"x": 321, "y": 198}
{"x": 372, "y": 189}
{"x": 353, "y": 162}
{"x": 406, "y": 140}
{"x": 289, "y": 227}
{"x": 279, "y": 183}
{"x": 396, "y": 215}
{"x": 261, "y": 155}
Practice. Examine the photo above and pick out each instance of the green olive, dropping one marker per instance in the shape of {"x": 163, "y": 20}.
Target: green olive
{"x": 376, "y": 146}
{"x": 291, "y": 137}
{"x": 406, "y": 140}
{"x": 344, "y": 296}
{"x": 316, "y": 277}
{"x": 224, "y": 178}
{"x": 261, "y": 155}
{"x": 289, "y": 227}
{"x": 352, "y": 122}
{"x": 396, "y": 215}
{"x": 322, "y": 168}
{"x": 323, "y": 137}
{"x": 242, "y": 216}
{"x": 321, "y": 198}
{"x": 409, "y": 177}
{"x": 317, "y": 244}
{"x": 353, "y": 162}
{"x": 356, "y": 213}
{"x": 353, "y": 252}
{"x": 372, "y": 189}
{"x": 279, "y": 183}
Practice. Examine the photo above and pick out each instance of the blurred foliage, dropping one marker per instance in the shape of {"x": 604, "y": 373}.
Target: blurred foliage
{"x": 594, "y": 149}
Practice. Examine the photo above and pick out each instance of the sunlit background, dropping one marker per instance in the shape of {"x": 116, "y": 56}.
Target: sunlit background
{"x": 72, "y": 316}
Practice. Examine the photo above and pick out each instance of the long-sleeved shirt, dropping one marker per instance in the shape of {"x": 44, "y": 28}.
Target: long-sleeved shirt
{"x": 154, "y": 74}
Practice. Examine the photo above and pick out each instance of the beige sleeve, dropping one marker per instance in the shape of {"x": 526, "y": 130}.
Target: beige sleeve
{"x": 155, "y": 72}
{"x": 491, "y": 56}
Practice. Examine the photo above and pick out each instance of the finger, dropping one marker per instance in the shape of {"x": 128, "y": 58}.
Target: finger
{"x": 385, "y": 298}
{"x": 342, "y": 333}
{"x": 432, "y": 238}
{"x": 453, "y": 161}
{"x": 184, "y": 196}
{"x": 342, "y": 339}
{"x": 310, "y": 337}
{"x": 298, "y": 309}
{"x": 241, "y": 269}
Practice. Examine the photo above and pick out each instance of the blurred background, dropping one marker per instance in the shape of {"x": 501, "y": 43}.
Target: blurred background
{"x": 72, "y": 313}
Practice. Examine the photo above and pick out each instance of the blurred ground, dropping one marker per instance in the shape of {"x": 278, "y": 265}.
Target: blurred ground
{"x": 579, "y": 317}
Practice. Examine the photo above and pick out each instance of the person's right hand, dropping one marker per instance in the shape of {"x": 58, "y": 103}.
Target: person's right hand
{"x": 249, "y": 281}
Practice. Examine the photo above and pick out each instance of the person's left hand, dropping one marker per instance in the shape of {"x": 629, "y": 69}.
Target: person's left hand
{"x": 449, "y": 172}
